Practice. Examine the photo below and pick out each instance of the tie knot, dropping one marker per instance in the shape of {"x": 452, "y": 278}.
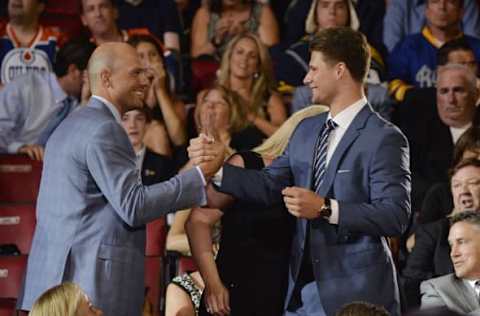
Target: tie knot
{"x": 330, "y": 124}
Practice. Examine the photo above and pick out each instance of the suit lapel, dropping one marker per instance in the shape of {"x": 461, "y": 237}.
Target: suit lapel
{"x": 348, "y": 138}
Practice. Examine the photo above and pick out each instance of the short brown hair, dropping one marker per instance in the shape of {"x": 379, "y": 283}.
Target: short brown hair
{"x": 145, "y": 110}
{"x": 471, "y": 162}
{"x": 342, "y": 44}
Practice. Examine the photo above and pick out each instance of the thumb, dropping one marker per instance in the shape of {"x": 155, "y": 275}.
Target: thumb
{"x": 209, "y": 127}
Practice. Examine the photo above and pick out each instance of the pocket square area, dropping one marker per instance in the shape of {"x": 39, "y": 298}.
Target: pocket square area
{"x": 343, "y": 170}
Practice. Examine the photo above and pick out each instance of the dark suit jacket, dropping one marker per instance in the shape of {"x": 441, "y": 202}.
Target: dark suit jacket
{"x": 369, "y": 176}
{"x": 431, "y": 144}
{"x": 430, "y": 258}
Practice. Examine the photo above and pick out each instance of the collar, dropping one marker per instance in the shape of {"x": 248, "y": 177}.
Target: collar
{"x": 16, "y": 43}
{"x": 472, "y": 284}
{"x": 345, "y": 117}
{"x": 141, "y": 152}
{"x": 111, "y": 107}
{"x": 432, "y": 39}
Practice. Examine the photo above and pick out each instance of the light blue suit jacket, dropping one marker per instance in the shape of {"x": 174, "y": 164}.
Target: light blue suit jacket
{"x": 91, "y": 213}
{"x": 369, "y": 176}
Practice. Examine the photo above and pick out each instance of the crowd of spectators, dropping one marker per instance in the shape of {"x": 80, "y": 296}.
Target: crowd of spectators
{"x": 238, "y": 66}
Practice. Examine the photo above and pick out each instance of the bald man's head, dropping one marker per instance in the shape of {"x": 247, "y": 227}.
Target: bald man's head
{"x": 105, "y": 57}
{"x": 116, "y": 74}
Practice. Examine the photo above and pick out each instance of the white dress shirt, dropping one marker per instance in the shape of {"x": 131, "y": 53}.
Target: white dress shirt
{"x": 343, "y": 121}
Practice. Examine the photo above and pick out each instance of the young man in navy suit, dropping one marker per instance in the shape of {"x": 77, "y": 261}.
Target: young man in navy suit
{"x": 344, "y": 175}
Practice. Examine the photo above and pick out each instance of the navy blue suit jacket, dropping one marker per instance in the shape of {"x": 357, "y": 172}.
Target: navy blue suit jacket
{"x": 369, "y": 176}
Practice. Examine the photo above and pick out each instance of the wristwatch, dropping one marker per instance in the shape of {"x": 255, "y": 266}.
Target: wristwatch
{"x": 326, "y": 209}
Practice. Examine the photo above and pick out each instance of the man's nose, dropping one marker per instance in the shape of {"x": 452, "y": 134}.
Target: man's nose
{"x": 306, "y": 79}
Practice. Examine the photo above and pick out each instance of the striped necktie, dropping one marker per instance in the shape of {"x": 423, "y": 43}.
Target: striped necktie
{"x": 320, "y": 161}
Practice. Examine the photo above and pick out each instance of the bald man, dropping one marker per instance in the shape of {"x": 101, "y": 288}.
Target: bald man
{"x": 92, "y": 207}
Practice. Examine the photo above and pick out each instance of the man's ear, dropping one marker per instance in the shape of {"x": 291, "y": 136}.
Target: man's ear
{"x": 340, "y": 69}
{"x": 105, "y": 78}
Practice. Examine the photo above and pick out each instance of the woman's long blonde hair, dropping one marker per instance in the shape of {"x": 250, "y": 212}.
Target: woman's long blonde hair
{"x": 263, "y": 82}
{"x": 60, "y": 300}
{"x": 274, "y": 146}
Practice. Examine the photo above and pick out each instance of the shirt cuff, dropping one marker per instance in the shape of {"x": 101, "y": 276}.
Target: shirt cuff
{"x": 218, "y": 177}
{"x": 201, "y": 175}
{"x": 334, "y": 217}
{"x": 13, "y": 147}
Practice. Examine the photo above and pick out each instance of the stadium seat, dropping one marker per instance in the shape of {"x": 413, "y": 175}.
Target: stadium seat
{"x": 12, "y": 269}
{"x": 19, "y": 178}
{"x": 17, "y": 224}
{"x": 153, "y": 282}
{"x": 156, "y": 236}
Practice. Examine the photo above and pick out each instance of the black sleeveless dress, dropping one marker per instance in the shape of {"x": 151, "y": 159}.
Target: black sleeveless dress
{"x": 254, "y": 254}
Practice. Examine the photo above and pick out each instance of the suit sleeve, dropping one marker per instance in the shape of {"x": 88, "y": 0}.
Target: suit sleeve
{"x": 111, "y": 162}
{"x": 387, "y": 213}
{"x": 260, "y": 187}
{"x": 430, "y": 296}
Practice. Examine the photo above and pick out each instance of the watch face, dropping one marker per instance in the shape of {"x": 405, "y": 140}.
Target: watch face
{"x": 326, "y": 211}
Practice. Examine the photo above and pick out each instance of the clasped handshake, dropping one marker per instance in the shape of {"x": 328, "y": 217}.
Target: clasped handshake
{"x": 207, "y": 152}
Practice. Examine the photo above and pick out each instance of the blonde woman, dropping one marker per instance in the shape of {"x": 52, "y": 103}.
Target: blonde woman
{"x": 66, "y": 299}
{"x": 246, "y": 69}
{"x": 250, "y": 274}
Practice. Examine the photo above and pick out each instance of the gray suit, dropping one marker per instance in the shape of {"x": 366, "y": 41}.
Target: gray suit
{"x": 92, "y": 210}
{"x": 451, "y": 292}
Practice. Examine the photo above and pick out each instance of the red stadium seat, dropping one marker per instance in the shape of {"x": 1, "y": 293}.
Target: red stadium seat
{"x": 204, "y": 73}
{"x": 156, "y": 236}
{"x": 186, "y": 264}
{"x": 153, "y": 281}
{"x": 7, "y": 307}
{"x": 17, "y": 224}
{"x": 64, "y": 14}
{"x": 19, "y": 178}
{"x": 12, "y": 270}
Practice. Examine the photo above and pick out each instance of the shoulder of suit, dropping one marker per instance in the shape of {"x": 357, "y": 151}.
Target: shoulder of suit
{"x": 447, "y": 279}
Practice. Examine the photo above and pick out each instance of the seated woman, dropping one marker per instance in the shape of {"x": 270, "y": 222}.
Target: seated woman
{"x": 66, "y": 299}
{"x": 246, "y": 69}
{"x": 218, "y": 109}
{"x": 217, "y": 21}
{"x": 251, "y": 269}
{"x": 168, "y": 127}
